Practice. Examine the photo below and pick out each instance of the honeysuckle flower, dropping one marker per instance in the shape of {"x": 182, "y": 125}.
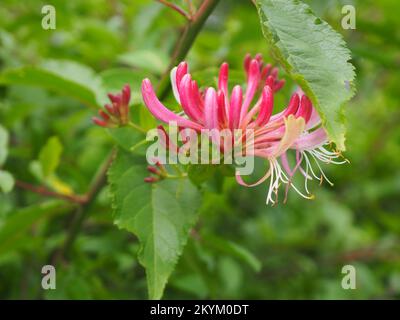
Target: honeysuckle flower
{"x": 115, "y": 114}
{"x": 159, "y": 172}
{"x": 297, "y": 129}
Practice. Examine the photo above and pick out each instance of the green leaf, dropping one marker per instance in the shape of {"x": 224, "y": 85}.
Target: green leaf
{"x": 115, "y": 79}
{"x": 125, "y": 137}
{"x": 20, "y": 221}
{"x": 314, "y": 55}
{"x": 146, "y": 119}
{"x": 49, "y": 156}
{"x": 3, "y": 145}
{"x": 65, "y": 77}
{"x": 6, "y": 181}
{"x": 199, "y": 173}
{"x": 153, "y": 60}
{"x": 233, "y": 249}
{"x": 159, "y": 214}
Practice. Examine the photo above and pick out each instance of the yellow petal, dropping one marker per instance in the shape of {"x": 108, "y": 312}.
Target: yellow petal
{"x": 293, "y": 128}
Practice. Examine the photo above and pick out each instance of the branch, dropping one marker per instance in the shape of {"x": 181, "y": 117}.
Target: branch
{"x": 176, "y": 8}
{"x": 97, "y": 184}
{"x": 186, "y": 41}
{"x": 48, "y": 193}
{"x": 191, "y": 7}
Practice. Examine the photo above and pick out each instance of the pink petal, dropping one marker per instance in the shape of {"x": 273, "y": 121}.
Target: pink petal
{"x": 314, "y": 119}
{"x": 223, "y": 83}
{"x": 165, "y": 140}
{"x": 187, "y": 99}
{"x": 198, "y": 99}
{"x": 305, "y": 108}
{"x": 211, "y": 109}
{"x": 235, "y": 106}
{"x": 293, "y": 105}
{"x": 267, "y": 104}
{"x": 177, "y": 74}
{"x": 311, "y": 140}
{"x": 285, "y": 164}
{"x": 99, "y": 122}
{"x": 126, "y": 95}
{"x": 160, "y": 111}
{"x": 265, "y": 71}
{"x": 279, "y": 85}
{"x": 222, "y": 110}
{"x": 261, "y": 180}
{"x": 252, "y": 84}
{"x": 246, "y": 63}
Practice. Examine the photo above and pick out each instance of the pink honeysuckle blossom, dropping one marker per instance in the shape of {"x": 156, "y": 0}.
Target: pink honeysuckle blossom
{"x": 296, "y": 129}
{"x": 116, "y": 113}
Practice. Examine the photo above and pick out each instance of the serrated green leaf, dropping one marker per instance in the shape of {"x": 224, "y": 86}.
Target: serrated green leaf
{"x": 49, "y": 156}
{"x": 314, "y": 55}
{"x": 6, "y": 181}
{"x": 3, "y": 145}
{"x": 159, "y": 214}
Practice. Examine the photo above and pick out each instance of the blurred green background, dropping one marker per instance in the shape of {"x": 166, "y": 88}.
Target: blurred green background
{"x": 301, "y": 246}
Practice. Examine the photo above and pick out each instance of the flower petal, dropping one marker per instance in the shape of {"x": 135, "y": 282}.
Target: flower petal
{"x": 293, "y": 128}
{"x": 235, "y": 106}
{"x": 187, "y": 99}
{"x": 160, "y": 111}
{"x": 252, "y": 84}
{"x": 311, "y": 140}
{"x": 176, "y": 75}
{"x": 267, "y": 104}
{"x": 211, "y": 109}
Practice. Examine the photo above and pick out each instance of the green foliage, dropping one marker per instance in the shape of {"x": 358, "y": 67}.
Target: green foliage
{"x": 49, "y": 156}
{"x": 314, "y": 55}
{"x": 202, "y": 237}
{"x": 155, "y": 62}
{"x": 6, "y": 178}
{"x": 6, "y": 181}
{"x": 3, "y": 145}
{"x": 66, "y": 77}
{"x": 160, "y": 215}
{"x": 234, "y": 250}
{"x": 114, "y": 79}
{"x": 22, "y": 220}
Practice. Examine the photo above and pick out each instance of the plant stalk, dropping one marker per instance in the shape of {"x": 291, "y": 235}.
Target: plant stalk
{"x": 186, "y": 41}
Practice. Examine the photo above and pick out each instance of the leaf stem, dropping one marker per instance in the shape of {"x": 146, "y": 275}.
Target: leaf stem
{"x": 186, "y": 41}
{"x": 80, "y": 199}
{"x": 97, "y": 184}
{"x": 136, "y": 127}
{"x": 176, "y": 8}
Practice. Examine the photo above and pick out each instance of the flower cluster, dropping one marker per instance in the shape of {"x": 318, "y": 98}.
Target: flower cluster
{"x": 115, "y": 114}
{"x": 296, "y": 129}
